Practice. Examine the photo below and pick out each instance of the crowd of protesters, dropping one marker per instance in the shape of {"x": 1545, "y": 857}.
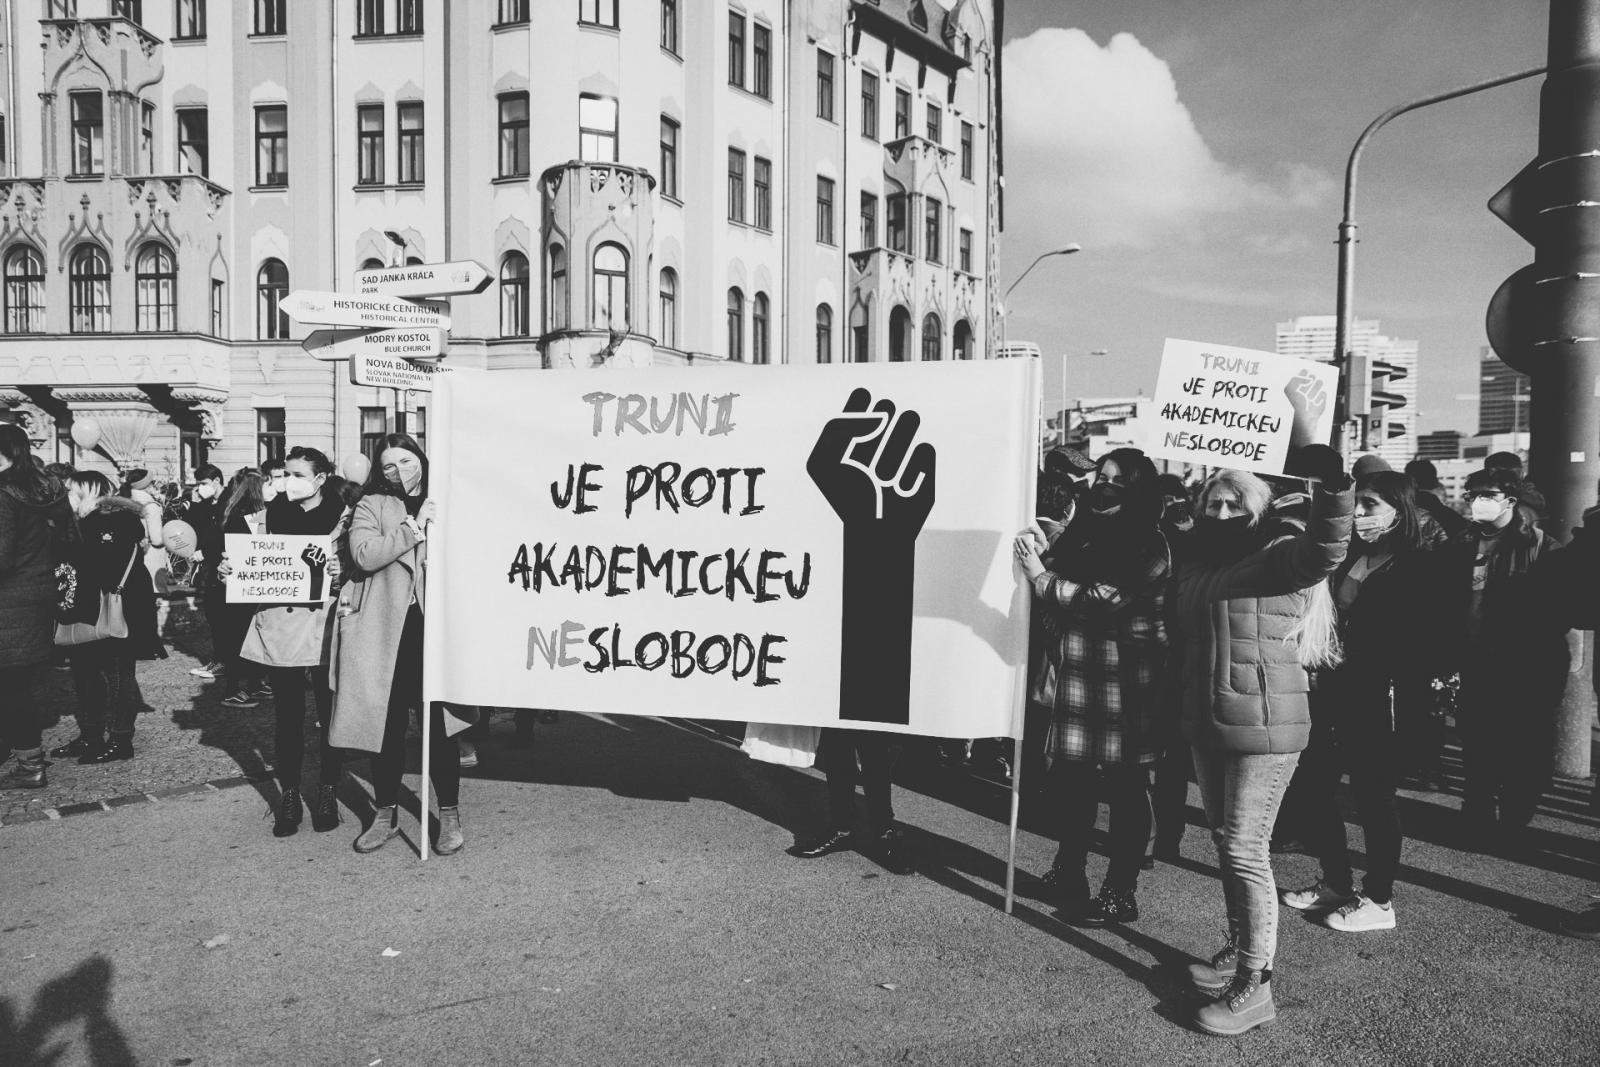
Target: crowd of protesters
{"x": 1264, "y": 636}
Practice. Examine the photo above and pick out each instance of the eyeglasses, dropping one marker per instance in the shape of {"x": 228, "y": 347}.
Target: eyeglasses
{"x": 1484, "y": 494}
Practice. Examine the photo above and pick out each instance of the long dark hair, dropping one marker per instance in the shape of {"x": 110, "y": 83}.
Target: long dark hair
{"x": 24, "y": 477}
{"x": 377, "y": 483}
{"x": 244, "y": 495}
{"x": 1118, "y": 547}
{"x": 1399, "y": 492}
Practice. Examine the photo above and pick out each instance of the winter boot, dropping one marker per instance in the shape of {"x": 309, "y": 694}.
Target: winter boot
{"x": 450, "y": 837}
{"x": 289, "y": 814}
{"x": 325, "y": 812}
{"x": 385, "y": 824}
{"x": 28, "y": 773}
{"x": 1215, "y": 977}
{"x": 1244, "y": 1005}
{"x": 1110, "y": 906}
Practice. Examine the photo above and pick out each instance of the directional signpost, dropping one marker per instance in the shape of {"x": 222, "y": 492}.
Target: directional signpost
{"x": 369, "y": 312}
{"x": 425, "y": 279}
{"x": 400, "y": 342}
{"x": 393, "y": 372}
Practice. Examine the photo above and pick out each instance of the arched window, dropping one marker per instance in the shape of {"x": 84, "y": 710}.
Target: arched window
{"x": 760, "y": 340}
{"x": 272, "y": 285}
{"x": 155, "y": 288}
{"x": 558, "y": 287}
{"x": 90, "y": 290}
{"x": 372, "y": 263}
{"x": 668, "y": 328}
{"x": 514, "y": 295}
{"x": 611, "y": 309}
{"x": 735, "y": 324}
{"x": 24, "y": 293}
{"x": 899, "y": 335}
{"x": 824, "y": 334}
{"x": 930, "y": 338}
{"x": 860, "y": 343}
{"x": 963, "y": 339}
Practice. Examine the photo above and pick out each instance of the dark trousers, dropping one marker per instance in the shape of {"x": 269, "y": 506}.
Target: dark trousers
{"x": 102, "y": 675}
{"x": 841, "y": 750}
{"x": 1419, "y": 728}
{"x": 1169, "y": 795}
{"x": 1353, "y": 731}
{"x": 19, "y": 716}
{"x": 389, "y": 764}
{"x": 229, "y": 625}
{"x": 289, "y": 698}
{"x": 1506, "y": 742}
{"x": 1075, "y": 791}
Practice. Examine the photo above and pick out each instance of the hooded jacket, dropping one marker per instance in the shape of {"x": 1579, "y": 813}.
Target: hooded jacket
{"x": 30, "y": 527}
{"x": 113, "y": 536}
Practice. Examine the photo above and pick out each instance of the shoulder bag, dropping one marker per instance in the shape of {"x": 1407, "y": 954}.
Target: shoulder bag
{"x": 111, "y": 623}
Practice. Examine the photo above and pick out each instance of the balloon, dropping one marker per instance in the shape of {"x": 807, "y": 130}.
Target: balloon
{"x": 355, "y": 468}
{"x": 86, "y": 433}
{"x": 179, "y": 538}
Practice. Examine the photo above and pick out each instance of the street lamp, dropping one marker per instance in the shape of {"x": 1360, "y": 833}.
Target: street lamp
{"x": 1005, "y": 319}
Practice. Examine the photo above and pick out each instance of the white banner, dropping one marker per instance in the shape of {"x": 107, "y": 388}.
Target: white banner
{"x": 1236, "y": 407}
{"x": 823, "y": 546}
{"x": 278, "y": 568}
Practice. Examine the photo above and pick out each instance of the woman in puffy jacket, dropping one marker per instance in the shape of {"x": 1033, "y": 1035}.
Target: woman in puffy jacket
{"x": 1250, "y": 612}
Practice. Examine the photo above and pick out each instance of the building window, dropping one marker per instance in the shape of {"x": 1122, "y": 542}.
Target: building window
{"x": 825, "y": 211}
{"x": 935, "y": 124}
{"x": 374, "y": 428}
{"x": 824, "y": 85}
{"x": 964, "y": 252}
{"x": 760, "y": 333}
{"x": 897, "y": 235}
{"x": 824, "y": 334}
{"x": 966, "y": 150}
{"x": 272, "y": 285}
{"x": 899, "y": 335}
{"x": 761, "y": 48}
{"x": 735, "y": 324}
{"x": 412, "y": 169}
{"x": 147, "y": 137}
{"x": 558, "y": 288}
{"x": 132, "y": 10}
{"x": 512, "y": 13}
{"x": 933, "y": 236}
{"x": 669, "y": 309}
{"x": 269, "y": 435}
{"x": 155, "y": 284}
{"x": 514, "y": 315}
{"x": 735, "y": 185}
{"x": 902, "y": 114}
{"x": 869, "y": 221}
{"x": 597, "y": 128}
{"x": 369, "y": 17}
{"x": 669, "y": 158}
{"x": 869, "y": 106}
{"x": 369, "y": 144}
{"x": 930, "y": 338}
{"x": 272, "y": 145}
{"x": 513, "y": 135}
{"x": 598, "y": 13}
{"x": 611, "y": 310}
{"x": 962, "y": 348}
{"x": 736, "y": 49}
{"x": 189, "y": 21}
{"x": 61, "y": 9}
{"x": 669, "y": 25}
{"x": 88, "y": 133}
{"x": 409, "y": 14}
{"x": 194, "y": 141}
{"x": 90, "y": 290}
{"x": 763, "y": 193}
{"x": 24, "y": 291}
{"x": 219, "y": 307}
{"x": 859, "y": 335}
{"x": 270, "y": 20}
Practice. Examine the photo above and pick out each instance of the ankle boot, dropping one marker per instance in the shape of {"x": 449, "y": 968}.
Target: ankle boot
{"x": 28, "y": 772}
{"x": 1214, "y": 978}
{"x": 81, "y": 745}
{"x": 450, "y": 836}
{"x": 325, "y": 812}
{"x": 289, "y": 814}
{"x": 385, "y": 824}
{"x": 118, "y": 748}
{"x": 1244, "y": 1005}
{"x": 1111, "y": 906}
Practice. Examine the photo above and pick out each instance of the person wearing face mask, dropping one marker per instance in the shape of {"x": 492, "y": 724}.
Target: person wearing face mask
{"x": 243, "y": 512}
{"x": 203, "y": 511}
{"x": 1250, "y": 614}
{"x": 1386, "y": 595}
{"x": 1512, "y": 656}
{"x": 377, "y": 644}
{"x": 1101, "y": 594}
{"x": 273, "y": 478}
{"x": 1174, "y": 767}
{"x": 112, "y": 558}
{"x": 288, "y": 639}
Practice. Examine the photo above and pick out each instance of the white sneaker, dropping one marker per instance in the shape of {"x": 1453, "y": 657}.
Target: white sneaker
{"x": 210, "y": 670}
{"x": 1319, "y": 897}
{"x": 469, "y": 754}
{"x": 1361, "y": 915}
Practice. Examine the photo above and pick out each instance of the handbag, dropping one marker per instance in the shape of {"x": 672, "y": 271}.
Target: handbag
{"x": 111, "y": 622}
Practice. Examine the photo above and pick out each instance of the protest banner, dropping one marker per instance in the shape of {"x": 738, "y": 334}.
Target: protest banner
{"x": 825, "y": 546}
{"x": 1235, "y": 407}
{"x": 278, "y": 568}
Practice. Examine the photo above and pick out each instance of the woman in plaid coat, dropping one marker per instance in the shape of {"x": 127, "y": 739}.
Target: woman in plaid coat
{"x": 1100, "y": 592}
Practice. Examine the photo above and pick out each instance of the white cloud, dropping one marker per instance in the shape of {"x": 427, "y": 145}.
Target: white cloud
{"x": 1100, "y": 148}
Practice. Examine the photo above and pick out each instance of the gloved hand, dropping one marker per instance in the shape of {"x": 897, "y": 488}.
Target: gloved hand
{"x": 1319, "y": 463}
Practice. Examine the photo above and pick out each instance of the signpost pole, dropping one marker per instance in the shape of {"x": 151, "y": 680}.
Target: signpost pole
{"x": 1016, "y": 808}
{"x": 399, "y": 412}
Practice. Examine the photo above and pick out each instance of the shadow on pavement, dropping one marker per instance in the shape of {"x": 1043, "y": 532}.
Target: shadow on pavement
{"x": 84, "y": 994}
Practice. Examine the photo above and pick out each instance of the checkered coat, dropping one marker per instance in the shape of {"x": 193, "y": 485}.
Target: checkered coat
{"x": 1103, "y": 661}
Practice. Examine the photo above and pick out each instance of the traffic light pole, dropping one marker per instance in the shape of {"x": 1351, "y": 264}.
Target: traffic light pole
{"x": 1344, "y": 315}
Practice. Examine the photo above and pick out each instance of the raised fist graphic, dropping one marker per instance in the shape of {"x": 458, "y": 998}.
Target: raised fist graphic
{"x": 317, "y": 559}
{"x": 1310, "y": 400}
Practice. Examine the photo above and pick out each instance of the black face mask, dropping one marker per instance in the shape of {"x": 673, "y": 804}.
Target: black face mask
{"x": 1179, "y": 514}
{"x": 1222, "y": 540}
{"x": 1105, "y": 498}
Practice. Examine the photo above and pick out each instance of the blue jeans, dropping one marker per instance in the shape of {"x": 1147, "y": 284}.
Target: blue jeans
{"x": 1241, "y": 794}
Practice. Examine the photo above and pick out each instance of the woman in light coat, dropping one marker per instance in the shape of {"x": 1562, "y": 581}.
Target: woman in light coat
{"x": 377, "y": 644}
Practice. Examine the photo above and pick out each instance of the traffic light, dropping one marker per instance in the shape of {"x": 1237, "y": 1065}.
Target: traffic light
{"x": 1368, "y": 400}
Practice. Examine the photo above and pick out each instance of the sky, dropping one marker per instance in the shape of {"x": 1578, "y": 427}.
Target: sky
{"x": 1196, "y": 150}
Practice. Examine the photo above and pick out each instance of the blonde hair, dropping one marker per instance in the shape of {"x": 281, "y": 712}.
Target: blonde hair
{"x": 1316, "y": 635}
{"x": 1253, "y": 493}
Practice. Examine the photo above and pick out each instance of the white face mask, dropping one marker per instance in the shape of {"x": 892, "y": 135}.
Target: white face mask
{"x": 298, "y": 489}
{"x": 1487, "y": 511}
{"x": 1371, "y": 527}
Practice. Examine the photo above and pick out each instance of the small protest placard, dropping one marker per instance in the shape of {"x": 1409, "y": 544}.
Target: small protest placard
{"x": 1236, "y": 407}
{"x": 278, "y": 568}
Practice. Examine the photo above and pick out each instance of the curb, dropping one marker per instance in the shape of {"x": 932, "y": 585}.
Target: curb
{"x": 68, "y": 810}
